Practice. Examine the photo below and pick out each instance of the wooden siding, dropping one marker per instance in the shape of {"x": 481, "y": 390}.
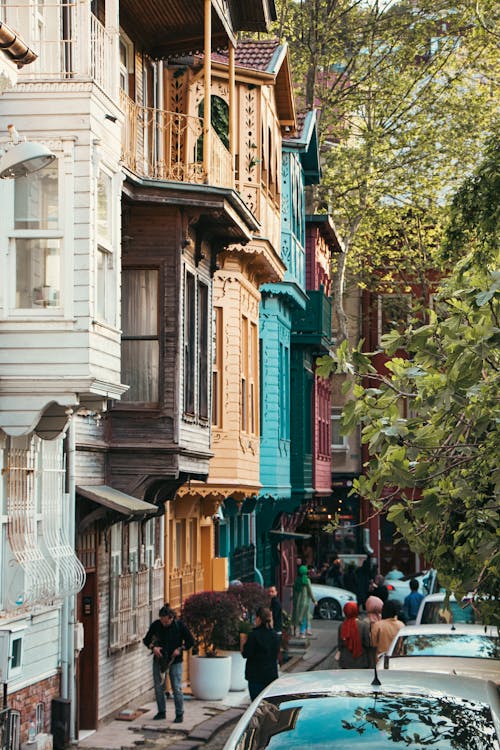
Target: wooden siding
{"x": 236, "y": 454}
{"x": 40, "y": 649}
{"x": 275, "y": 324}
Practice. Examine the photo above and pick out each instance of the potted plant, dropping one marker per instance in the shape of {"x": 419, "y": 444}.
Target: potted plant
{"x": 212, "y": 617}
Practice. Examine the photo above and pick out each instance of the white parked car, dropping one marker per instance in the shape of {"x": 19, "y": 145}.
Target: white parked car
{"x": 400, "y": 588}
{"x": 330, "y": 601}
{"x": 470, "y": 650}
{"x": 338, "y": 709}
{"x": 432, "y": 610}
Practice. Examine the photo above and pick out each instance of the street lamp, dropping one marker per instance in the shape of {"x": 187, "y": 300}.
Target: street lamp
{"x": 21, "y": 158}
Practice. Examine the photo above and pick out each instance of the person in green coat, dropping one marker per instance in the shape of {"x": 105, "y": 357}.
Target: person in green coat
{"x": 302, "y": 598}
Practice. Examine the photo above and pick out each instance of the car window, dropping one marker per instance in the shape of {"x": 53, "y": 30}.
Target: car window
{"x": 380, "y": 721}
{"x": 478, "y": 646}
{"x": 434, "y": 612}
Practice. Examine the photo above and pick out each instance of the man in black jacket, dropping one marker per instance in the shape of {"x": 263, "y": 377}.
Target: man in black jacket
{"x": 167, "y": 638}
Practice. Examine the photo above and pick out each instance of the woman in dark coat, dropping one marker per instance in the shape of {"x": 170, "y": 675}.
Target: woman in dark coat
{"x": 354, "y": 639}
{"x": 261, "y": 652}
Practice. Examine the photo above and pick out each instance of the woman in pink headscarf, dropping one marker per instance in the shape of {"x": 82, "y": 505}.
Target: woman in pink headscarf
{"x": 373, "y": 607}
{"x": 354, "y": 639}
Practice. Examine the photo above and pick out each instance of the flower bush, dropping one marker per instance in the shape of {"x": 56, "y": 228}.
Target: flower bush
{"x": 212, "y": 617}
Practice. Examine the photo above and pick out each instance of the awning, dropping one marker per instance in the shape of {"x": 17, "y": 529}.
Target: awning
{"x": 279, "y": 535}
{"x": 127, "y": 505}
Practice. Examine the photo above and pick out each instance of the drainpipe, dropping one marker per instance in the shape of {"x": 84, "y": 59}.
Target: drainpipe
{"x": 253, "y": 531}
{"x": 69, "y": 602}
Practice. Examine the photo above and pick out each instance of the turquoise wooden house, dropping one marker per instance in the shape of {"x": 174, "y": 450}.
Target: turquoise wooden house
{"x": 278, "y": 508}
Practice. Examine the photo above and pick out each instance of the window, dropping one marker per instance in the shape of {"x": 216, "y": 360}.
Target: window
{"x": 339, "y": 442}
{"x": 217, "y": 369}
{"x": 106, "y": 276}
{"x": 37, "y": 241}
{"x": 196, "y": 348}
{"x": 189, "y": 343}
{"x": 284, "y": 391}
{"x": 140, "y": 339}
{"x": 249, "y": 376}
{"x": 126, "y": 64}
{"x": 136, "y": 580}
{"x": 203, "y": 350}
{"x": 393, "y": 313}
{"x": 219, "y": 120}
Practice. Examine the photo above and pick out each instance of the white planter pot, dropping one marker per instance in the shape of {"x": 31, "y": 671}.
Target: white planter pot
{"x": 210, "y": 677}
{"x": 238, "y": 681}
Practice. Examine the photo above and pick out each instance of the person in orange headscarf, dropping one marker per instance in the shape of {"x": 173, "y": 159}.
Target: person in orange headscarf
{"x": 373, "y": 608}
{"x": 354, "y": 639}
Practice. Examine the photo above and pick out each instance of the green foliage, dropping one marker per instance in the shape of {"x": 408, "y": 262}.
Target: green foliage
{"x": 475, "y": 211}
{"x": 406, "y": 94}
{"x": 212, "y": 617}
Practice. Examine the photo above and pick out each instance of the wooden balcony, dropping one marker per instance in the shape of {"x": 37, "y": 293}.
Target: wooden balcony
{"x": 162, "y": 145}
{"x": 312, "y": 326}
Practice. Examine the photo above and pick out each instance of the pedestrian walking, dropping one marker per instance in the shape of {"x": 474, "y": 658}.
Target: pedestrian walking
{"x": 302, "y": 599}
{"x": 363, "y": 577}
{"x": 412, "y": 602}
{"x": 373, "y": 608}
{"x": 354, "y": 639}
{"x": 168, "y": 638}
{"x": 383, "y": 632}
{"x": 261, "y": 653}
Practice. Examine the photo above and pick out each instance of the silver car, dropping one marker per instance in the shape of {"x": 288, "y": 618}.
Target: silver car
{"x": 334, "y": 710}
{"x": 330, "y": 601}
{"x": 470, "y": 650}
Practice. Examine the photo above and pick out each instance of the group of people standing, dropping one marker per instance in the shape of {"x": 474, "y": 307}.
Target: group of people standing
{"x": 363, "y": 639}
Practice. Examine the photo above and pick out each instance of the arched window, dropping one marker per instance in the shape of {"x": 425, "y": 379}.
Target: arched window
{"x": 219, "y": 119}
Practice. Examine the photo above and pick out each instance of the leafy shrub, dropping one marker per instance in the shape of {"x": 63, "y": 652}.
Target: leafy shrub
{"x": 212, "y": 617}
{"x": 250, "y": 597}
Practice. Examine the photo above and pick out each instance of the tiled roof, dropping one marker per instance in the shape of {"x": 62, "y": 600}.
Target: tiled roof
{"x": 252, "y": 54}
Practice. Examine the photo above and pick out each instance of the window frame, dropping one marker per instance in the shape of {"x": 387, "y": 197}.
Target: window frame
{"x": 59, "y": 233}
{"x": 106, "y": 247}
{"x": 125, "y": 403}
{"x": 335, "y": 416}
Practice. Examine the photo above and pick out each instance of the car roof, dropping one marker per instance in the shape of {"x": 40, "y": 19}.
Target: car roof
{"x": 454, "y": 628}
{"x": 404, "y": 682}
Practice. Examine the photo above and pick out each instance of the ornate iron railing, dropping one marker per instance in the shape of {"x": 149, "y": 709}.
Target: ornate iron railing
{"x": 163, "y": 145}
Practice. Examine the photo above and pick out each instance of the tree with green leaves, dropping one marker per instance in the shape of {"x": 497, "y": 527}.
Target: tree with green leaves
{"x": 431, "y": 422}
{"x": 406, "y": 93}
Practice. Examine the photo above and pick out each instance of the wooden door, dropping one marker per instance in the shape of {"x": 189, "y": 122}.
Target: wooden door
{"x": 88, "y": 660}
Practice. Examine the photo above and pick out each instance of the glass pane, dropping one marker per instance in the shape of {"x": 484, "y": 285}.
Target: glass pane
{"x": 36, "y": 204}
{"x": 140, "y": 302}
{"x": 101, "y": 285}
{"x": 203, "y": 349}
{"x": 38, "y": 273}
{"x": 104, "y": 217}
{"x": 140, "y": 367}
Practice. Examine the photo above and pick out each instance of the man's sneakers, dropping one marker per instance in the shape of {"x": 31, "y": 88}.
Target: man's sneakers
{"x": 179, "y": 719}
{"x": 159, "y": 715}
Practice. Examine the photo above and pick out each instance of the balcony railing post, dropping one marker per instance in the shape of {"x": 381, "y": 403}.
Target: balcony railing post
{"x": 207, "y": 113}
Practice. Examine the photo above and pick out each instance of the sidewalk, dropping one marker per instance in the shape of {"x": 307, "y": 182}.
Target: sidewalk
{"x": 202, "y": 719}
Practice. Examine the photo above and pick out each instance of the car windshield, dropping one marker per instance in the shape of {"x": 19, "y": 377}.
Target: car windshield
{"x": 335, "y": 722}
{"x": 448, "y": 644}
